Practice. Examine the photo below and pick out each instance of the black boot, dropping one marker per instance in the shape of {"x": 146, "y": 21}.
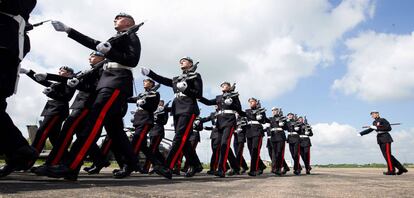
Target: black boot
{"x": 62, "y": 171}
{"x": 124, "y": 172}
{"x": 220, "y": 173}
{"x": 40, "y": 170}
{"x": 308, "y": 170}
{"x": 401, "y": 171}
{"x": 389, "y": 173}
{"x": 210, "y": 172}
{"x": 253, "y": 173}
{"x": 95, "y": 169}
{"x": 193, "y": 170}
{"x": 233, "y": 172}
{"x": 285, "y": 170}
{"x": 163, "y": 171}
{"x": 21, "y": 159}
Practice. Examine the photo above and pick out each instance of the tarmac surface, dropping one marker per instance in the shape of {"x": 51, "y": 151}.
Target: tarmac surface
{"x": 323, "y": 182}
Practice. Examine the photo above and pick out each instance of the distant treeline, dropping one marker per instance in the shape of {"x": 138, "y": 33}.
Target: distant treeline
{"x": 373, "y": 165}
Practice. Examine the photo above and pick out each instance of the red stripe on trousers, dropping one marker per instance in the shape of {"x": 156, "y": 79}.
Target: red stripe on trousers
{"x": 96, "y": 128}
{"x": 227, "y": 149}
{"x": 389, "y": 156}
{"x": 69, "y": 136}
{"x": 45, "y": 133}
{"x": 183, "y": 141}
{"x": 140, "y": 139}
{"x": 258, "y": 153}
{"x": 107, "y": 146}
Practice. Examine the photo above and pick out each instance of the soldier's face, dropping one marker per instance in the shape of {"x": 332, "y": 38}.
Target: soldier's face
{"x": 252, "y": 103}
{"x": 300, "y": 120}
{"x": 374, "y": 115}
{"x": 161, "y": 103}
{"x": 65, "y": 73}
{"x": 148, "y": 84}
{"x": 95, "y": 59}
{"x": 290, "y": 116}
{"x": 275, "y": 112}
{"x": 122, "y": 23}
{"x": 225, "y": 87}
{"x": 185, "y": 64}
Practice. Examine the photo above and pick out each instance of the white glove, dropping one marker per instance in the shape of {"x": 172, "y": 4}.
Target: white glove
{"x": 238, "y": 130}
{"x": 259, "y": 117}
{"x": 267, "y": 125}
{"x": 297, "y": 128}
{"x": 24, "y": 71}
{"x": 359, "y": 134}
{"x": 60, "y": 27}
{"x": 47, "y": 90}
{"x": 306, "y": 133}
{"x": 40, "y": 76}
{"x": 182, "y": 86}
{"x": 228, "y": 101}
{"x": 141, "y": 102}
{"x": 145, "y": 71}
{"x": 196, "y": 122}
{"x": 103, "y": 47}
{"x": 373, "y": 127}
{"x": 281, "y": 124}
{"x": 72, "y": 82}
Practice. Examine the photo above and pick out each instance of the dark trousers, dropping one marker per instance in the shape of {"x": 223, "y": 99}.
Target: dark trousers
{"x": 194, "y": 144}
{"x": 155, "y": 142}
{"x": 305, "y": 154}
{"x": 75, "y": 121}
{"x": 254, "y": 144}
{"x": 238, "y": 148}
{"x": 10, "y": 136}
{"x": 183, "y": 125}
{"x": 295, "y": 152}
{"x": 49, "y": 128}
{"x": 140, "y": 143}
{"x": 392, "y": 162}
{"x": 278, "y": 160}
{"x": 226, "y": 153}
{"x": 215, "y": 148}
{"x": 108, "y": 110}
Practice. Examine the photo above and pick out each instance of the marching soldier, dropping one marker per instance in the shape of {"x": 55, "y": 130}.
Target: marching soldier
{"x": 187, "y": 87}
{"x": 305, "y": 142}
{"x": 14, "y": 45}
{"x": 147, "y": 103}
{"x": 215, "y": 144}
{"x": 294, "y": 142}
{"x": 228, "y": 106}
{"x": 157, "y": 132}
{"x": 238, "y": 143}
{"x": 384, "y": 140}
{"x": 114, "y": 87}
{"x": 56, "y": 109}
{"x": 254, "y": 132}
{"x": 277, "y": 141}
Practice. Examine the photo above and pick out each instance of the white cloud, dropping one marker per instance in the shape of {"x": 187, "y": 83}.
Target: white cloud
{"x": 379, "y": 67}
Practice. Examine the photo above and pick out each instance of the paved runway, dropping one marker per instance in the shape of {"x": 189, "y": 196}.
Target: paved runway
{"x": 323, "y": 182}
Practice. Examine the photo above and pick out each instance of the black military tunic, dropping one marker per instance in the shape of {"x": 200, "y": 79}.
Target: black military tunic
{"x": 184, "y": 110}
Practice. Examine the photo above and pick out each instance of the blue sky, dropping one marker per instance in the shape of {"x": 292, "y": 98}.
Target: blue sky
{"x": 333, "y": 61}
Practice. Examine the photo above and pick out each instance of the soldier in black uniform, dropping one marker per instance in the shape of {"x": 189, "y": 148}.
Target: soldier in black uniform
{"x": 14, "y": 45}
{"x": 86, "y": 83}
{"x": 238, "y": 143}
{"x": 276, "y": 132}
{"x": 215, "y": 144}
{"x": 294, "y": 141}
{"x": 114, "y": 87}
{"x": 305, "y": 143}
{"x": 56, "y": 109}
{"x": 187, "y": 87}
{"x": 256, "y": 116}
{"x": 157, "y": 132}
{"x": 228, "y": 104}
{"x": 384, "y": 140}
{"x": 147, "y": 103}
{"x": 194, "y": 138}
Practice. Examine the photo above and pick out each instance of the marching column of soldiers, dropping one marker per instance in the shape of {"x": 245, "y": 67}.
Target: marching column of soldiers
{"x": 104, "y": 91}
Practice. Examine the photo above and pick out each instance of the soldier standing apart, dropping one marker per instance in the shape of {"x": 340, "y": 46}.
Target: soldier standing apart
{"x": 187, "y": 88}
{"x": 384, "y": 140}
